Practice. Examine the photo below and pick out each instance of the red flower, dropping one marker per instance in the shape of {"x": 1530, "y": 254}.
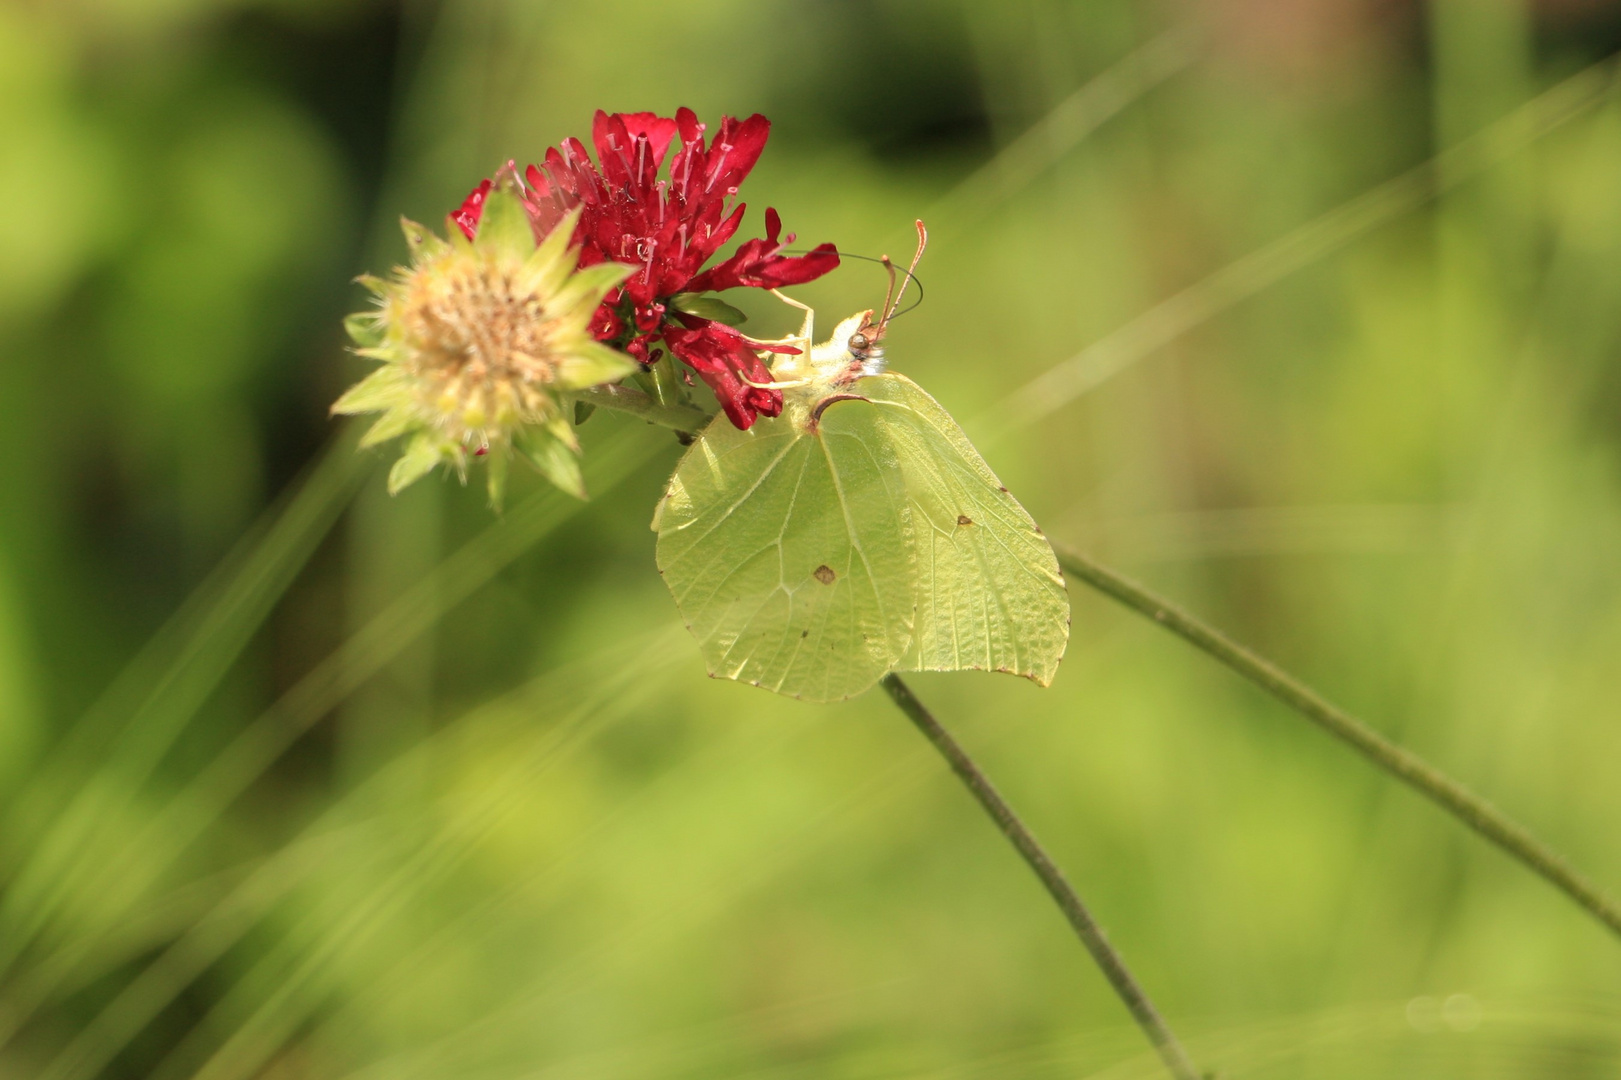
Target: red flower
{"x": 669, "y": 227}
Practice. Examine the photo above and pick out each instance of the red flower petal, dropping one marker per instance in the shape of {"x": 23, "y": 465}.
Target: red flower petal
{"x": 546, "y": 201}
{"x": 757, "y": 264}
{"x": 686, "y": 122}
{"x": 734, "y": 151}
{"x": 657, "y": 130}
{"x": 723, "y": 359}
{"x": 472, "y": 209}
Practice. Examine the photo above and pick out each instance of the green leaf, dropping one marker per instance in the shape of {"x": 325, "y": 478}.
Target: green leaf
{"x": 554, "y": 459}
{"x": 582, "y": 412}
{"x": 663, "y": 382}
{"x": 708, "y": 307}
{"x": 813, "y": 558}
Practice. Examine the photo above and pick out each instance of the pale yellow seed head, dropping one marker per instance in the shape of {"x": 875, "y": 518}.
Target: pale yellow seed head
{"x": 477, "y": 341}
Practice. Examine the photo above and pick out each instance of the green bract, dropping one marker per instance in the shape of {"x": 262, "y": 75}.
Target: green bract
{"x": 857, "y": 534}
{"x": 477, "y": 339}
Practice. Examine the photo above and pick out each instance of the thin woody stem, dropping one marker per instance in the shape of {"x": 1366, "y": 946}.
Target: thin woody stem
{"x": 683, "y": 419}
{"x": 1403, "y": 764}
{"x": 1086, "y": 928}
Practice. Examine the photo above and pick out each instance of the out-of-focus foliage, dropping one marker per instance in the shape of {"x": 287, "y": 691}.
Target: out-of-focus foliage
{"x": 439, "y": 794}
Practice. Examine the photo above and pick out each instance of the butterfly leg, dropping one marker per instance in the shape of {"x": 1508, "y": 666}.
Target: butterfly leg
{"x": 807, "y": 329}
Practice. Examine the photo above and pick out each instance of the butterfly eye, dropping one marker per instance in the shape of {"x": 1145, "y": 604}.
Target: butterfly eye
{"x": 858, "y": 342}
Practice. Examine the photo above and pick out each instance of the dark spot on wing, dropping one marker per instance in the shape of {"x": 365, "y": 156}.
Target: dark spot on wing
{"x": 824, "y": 574}
{"x": 964, "y": 519}
{"x": 804, "y": 633}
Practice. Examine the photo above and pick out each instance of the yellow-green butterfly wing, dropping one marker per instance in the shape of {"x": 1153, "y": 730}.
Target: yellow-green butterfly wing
{"x": 990, "y": 595}
{"x": 857, "y": 534}
{"x": 789, "y": 555}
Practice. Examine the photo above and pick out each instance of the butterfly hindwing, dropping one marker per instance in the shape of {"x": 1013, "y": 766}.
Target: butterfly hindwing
{"x": 989, "y": 592}
{"x": 788, "y": 553}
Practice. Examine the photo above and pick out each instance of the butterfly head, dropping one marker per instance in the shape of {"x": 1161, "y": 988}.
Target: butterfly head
{"x": 865, "y": 346}
{"x": 866, "y": 349}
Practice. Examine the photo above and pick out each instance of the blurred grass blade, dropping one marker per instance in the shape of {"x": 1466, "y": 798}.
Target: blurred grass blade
{"x": 1171, "y": 318}
{"x": 1418, "y": 774}
{"x": 213, "y": 932}
{"x": 182, "y": 663}
{"x": 283, "y": 992}
{"x": 345, "y": 835}
{"x": 123, "y": 736}
{"x": 193, "y": 810}
{"x": 1068, "y": 124}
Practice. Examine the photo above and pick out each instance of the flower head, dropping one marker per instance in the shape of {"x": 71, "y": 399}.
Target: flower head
{"x": 478, "y": 337}
{"x": 667, "y": 228}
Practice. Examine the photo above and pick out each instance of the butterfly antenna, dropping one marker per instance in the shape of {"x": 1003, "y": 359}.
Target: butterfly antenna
{"x": 911, "y": 278}
{"x": 917, "y": 257}
{"x": 889, "y": 297}
{"x": 890, "y": 308}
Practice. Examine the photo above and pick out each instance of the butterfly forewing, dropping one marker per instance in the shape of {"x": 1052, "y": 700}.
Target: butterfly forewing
{"x": 787, "y": 552}
{"x": 990, "y": 595}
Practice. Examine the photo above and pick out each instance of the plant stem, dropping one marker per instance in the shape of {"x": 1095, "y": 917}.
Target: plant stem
{"x": 683, "y": 419}
{"x": 1086, "y": 928}
{"x": 1406, "y": 766}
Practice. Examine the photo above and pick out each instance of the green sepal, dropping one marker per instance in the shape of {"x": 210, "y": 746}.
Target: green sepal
{"x": 708, "y": 307}
{"x": 586, "y": 288}
{"x": 582, "y": 412}
{"x": 553, "y": 261}
{"x": 504, "y": 225}
{"x": 554, "y": 459}
{"x": 420, "y": 456}
{"x": 364, "y": 328}
{"x": 375, "y": 285}
{"x": 563, "y": 432}
{"x": 591, "y": 363}
{"x": 390, "y": 425}
{"x": 495, "y": 462}
{"x": 421, "y": 240}
{"x": 382, "y": 389}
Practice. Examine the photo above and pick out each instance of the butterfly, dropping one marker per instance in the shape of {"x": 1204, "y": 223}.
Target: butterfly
{"x": 856, "y": 534}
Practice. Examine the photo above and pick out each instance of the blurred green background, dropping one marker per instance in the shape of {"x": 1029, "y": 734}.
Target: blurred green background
{"x": 303, "y": 782}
